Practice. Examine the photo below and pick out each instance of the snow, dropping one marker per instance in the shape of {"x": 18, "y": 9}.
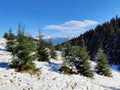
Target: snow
{"x": 49, "y": 78}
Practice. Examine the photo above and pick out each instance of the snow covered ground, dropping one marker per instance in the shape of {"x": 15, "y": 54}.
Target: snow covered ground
{"x": 49, "y": 78}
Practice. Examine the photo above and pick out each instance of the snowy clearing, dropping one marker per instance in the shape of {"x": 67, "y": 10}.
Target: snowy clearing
{"x": 49, "y": 78}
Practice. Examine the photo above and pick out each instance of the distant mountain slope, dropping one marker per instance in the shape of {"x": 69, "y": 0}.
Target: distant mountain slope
{"x": 107, "y": 35}
{"x": 56, "y": 40}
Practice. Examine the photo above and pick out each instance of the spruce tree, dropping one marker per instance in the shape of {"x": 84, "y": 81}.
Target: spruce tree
{"x": 42, "y": 53}
{"x": 5, "y": 35}
{"x": 52, "y": 50}
{"x": 10, "y": 45}
{"x": 67, "y": 55}
{"x": 23, "y": 56}
{"x": 76, "y": 60}
{"x": 32, "y": 43}
{"x": 82, "y": 62}
{"x": 67, "y": 48}
{"x": 9, "y": 35}
{"x": 59, "y": 47}
{"x": 21, "y": 37}
{"x": 102, "y": 67}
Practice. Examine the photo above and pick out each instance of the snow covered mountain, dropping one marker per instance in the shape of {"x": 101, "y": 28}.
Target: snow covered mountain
{"x": 49, "y": 78}
{"x": 56, "y": 40}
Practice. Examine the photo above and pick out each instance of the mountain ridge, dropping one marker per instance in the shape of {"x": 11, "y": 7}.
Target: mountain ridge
{"x": 106, "y": 35}
{"x": 56, "y": 40}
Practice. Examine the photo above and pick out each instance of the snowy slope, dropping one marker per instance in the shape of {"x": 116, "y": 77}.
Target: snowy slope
{"x": 49, "y": 78}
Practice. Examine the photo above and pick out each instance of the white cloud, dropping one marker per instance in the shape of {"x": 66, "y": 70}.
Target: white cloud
{"x": 72, "y": 25}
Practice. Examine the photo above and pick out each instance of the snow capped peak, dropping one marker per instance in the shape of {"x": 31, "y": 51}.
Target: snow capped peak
{"x": 47, "y": 37}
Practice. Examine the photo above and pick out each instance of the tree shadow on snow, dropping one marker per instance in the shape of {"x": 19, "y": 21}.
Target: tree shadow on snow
{"x": 115, "y": 68}
{"x": 53, "y": 66}
{"x": 2, "y": 49}
{"x": 112, "y": 88}
{"x": 4, "y": 65}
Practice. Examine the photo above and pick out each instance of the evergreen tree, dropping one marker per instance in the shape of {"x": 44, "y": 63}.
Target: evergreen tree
{"x": 82, "y": 62}
{"x": 21, "y": 33}
{"x": 10, "y": 45}
{"x": 116, "y": 47}
{"x": 32, "y": 43}
{"x": 9, "y": 35}
{"x": 23, "y": 56}
{"x": 42, "y": 53}
{"x": 21, "y": 37}
{"x": 52, "y": 50}
{"x": 67, "y": 49}
{"x": 102, "y": 67}
{"x": 68, "y": 58}
{"x": 5, "y": 35}
{"x": 59, "y": 47}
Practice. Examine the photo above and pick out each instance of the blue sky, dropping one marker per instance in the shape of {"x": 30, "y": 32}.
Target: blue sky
{"x": 56, "y": 18}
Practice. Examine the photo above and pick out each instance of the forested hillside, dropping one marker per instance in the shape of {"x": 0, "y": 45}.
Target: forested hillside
{"x": 106, "y": 35}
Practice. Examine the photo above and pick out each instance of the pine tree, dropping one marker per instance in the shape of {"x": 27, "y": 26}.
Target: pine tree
{"x": 67, "y": 54}
{"x": 32, "y": 43}
{"x": 9, "y": 35}
{"x": 21, "y": 37}
{"x": 23, "y": 56}
{"x": 59, "y": 47}
{"x": 10, "y": 45}
{"x": 42, "y": 53}
{"x": 102, "y": 67}
{"x": 67, "y": 49}
{"x": 82, "y": 62}
{"x": 52, "y": 50}
{"x": 5, "y": 35}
